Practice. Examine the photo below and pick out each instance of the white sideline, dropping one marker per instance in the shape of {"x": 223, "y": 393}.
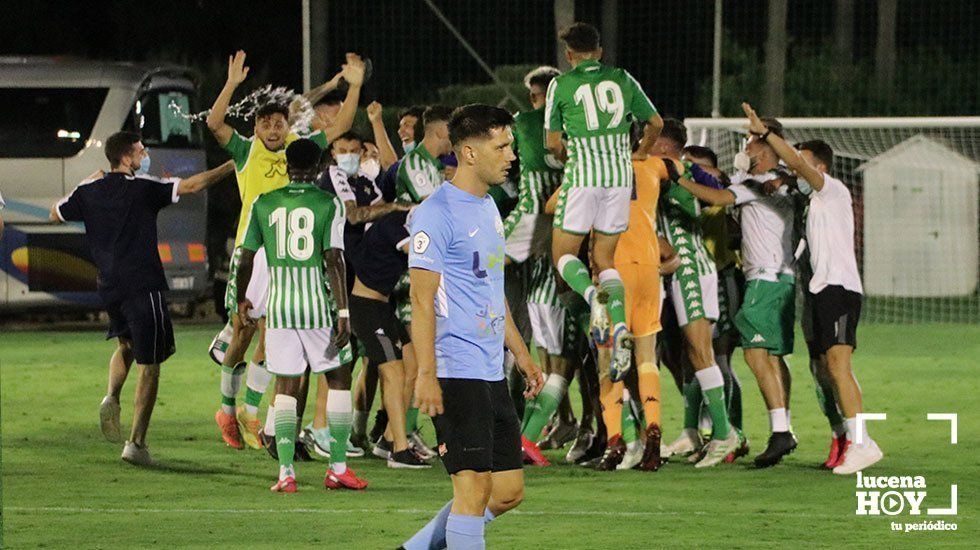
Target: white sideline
{"x": 82, "y": 510}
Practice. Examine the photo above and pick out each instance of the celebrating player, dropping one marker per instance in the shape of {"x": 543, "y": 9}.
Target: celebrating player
{"x": 835, "y": 286}
{"x": 301, "y": 228}
{"x": 593, "y": 105}
{"x": 460, "y": 326}
{"x": 260, "y": 166}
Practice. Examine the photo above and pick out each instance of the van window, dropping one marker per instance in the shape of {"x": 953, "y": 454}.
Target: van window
{"x": 47, "y": 122}
{"x": 159, "y": 125}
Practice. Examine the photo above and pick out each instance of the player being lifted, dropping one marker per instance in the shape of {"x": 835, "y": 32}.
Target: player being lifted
{"x": 301, "y": 229}
{"x": 592, "y": 104}
{"x": 260, "y": 165}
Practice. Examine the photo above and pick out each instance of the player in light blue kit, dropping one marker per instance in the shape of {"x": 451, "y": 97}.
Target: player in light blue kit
{"x": 460, "y": 325}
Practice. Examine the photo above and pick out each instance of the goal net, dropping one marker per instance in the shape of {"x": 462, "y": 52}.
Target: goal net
{"x": 915, "y": 183}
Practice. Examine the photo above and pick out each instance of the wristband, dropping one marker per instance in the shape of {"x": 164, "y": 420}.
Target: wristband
{"x": 343, "y": 313}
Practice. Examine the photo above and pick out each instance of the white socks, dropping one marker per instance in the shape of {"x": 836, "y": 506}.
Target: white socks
{"x": 778, "y": 420}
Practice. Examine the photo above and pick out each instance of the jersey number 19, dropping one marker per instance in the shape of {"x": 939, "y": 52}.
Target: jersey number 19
{"x": 294, "y": 232}
{"x": 607, "y": 96}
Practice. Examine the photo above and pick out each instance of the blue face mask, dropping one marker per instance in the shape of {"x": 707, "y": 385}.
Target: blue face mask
{"x": 144, "y": 166}
{"x": 350, "y": 163}
{"x": 408, "y": 147}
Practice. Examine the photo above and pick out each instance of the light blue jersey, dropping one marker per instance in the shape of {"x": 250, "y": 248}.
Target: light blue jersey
{"x": 461, "y": 237}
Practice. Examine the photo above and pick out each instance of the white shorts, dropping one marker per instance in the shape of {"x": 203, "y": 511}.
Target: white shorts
{"x": 604, "y": 209}
{"x": 695, "y": 301}
{"x": 289, "y": 350}
{"x": 258, "y": 286}
{"x": 547, "y": 327}
{"x": 530, "y": 236}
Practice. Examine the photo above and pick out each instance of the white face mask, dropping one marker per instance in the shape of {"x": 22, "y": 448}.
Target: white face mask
{"x": 350, "y": 163}
{"x": 371, "y": 168}
{"x": 408, "y": 147}
{"x": 742, "y": 161}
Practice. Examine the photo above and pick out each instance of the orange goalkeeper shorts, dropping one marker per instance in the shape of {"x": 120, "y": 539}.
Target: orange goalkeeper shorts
{"x": 642, "y": 284}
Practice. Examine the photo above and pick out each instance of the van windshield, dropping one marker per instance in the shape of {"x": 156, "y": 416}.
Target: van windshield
{"x": 160, "y": 126}
{"x": 47, "y": 122}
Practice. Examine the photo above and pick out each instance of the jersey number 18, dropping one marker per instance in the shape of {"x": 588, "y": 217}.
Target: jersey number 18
{"x": 294, "y": 232}
{"x": 609, "y": 99}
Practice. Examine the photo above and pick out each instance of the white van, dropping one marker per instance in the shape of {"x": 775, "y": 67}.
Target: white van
{"x": 57, "y": 115}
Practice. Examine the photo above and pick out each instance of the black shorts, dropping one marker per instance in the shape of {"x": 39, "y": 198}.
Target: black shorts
{"x": 834, "y": 315}
{"x": 478, "y": 429}
{"x": 144, "y": 319}
{"x": 377, "y": 328}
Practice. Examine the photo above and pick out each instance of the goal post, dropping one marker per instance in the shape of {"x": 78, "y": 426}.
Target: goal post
{"x": 914, "y": 181}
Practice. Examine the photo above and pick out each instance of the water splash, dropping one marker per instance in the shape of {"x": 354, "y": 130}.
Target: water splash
{"x": 301, "y": 111}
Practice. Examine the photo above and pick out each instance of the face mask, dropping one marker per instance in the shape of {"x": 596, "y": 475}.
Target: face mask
{"x": 742, "y": 161}
{"x": 144, "y": 165}
{"x": 408, "y": 147}
{"x": 804, "y": 186}
{"x": 350, "y": 163}
{"x": 371, "y": 168}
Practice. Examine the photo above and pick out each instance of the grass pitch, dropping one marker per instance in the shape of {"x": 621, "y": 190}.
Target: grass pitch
{"x": 64, "y": 486}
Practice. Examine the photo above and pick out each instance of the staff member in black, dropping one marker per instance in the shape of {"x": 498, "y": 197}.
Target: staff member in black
{"x": 120, "y": 210}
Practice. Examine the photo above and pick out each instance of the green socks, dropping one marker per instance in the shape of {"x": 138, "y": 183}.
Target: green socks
{"x": 231, "y": 381}
{"x": 286, "y": 434}
{"x": 612, "y": 285}
{"x": 713, "y": 389}
{"x": 411, "y": 419}
{"x": 544, "y": 407}
{"x": 692, "y": 404}
{"x": 828, "y": 404}
{"x": 576, "y": 274}
{"x": 340, "y": 418}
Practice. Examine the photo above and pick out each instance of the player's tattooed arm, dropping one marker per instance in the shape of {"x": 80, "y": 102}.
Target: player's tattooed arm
{"x": 245, "y": 263}
{"x": 424, "y": 284}
{"x": 533, "y": 378}
{"x": 337, "y": 275}
{"x": 237, "y": 71}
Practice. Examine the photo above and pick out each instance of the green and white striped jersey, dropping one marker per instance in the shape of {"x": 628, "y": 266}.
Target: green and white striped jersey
{"x": 419, "y": 174}
{"x": 540, "y": 175}
{"x": 679, "y": 215}
{"x": 296, "y": 224}
{"x": 594, "y": 105}
{"x": 543, "y": 285}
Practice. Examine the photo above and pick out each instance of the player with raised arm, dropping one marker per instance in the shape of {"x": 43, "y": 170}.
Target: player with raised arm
{"x": 594, "y": 104}
{"x": 260, "y": 165}
{"x": 460, "y": 326}
{"x": 301, "y": 228}
{"x": 835, "y": 285}
{"x": 119, "y": 210}
{"x": 765, "y": 320}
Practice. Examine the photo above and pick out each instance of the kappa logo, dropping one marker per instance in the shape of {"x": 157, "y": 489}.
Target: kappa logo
{"x": 582, "y": 271}
{"x": 696, "y": 313}
{"x": 686, "y": 261}
{"x": 616, "y": 303}
{"x": 692, "y": 295}
{"x": 696, "y": 303}
{"x": 757, "y": 339}
{"x": 682, "y": 240}
{"x": 678, "y": 231}
{"x": 284, "y": 441}
{"x": 690, "y": 285}
{"x": 688, "y": 271}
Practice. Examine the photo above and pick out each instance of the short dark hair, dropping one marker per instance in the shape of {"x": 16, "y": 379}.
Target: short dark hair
{"x": 415, "y": 110}
{"x": 542, "y": 76}
{"x": 773, "y": 125}
{"x": 303, "y": 155}
{"x": 476, "y": 120}
{"x": 702, "y": 153}
{"x": 349, "y": 135}
{"x": 333, "y": 97}
{"x": 675, "y": 131}
{"x": 820, "y": 149}
{"x": 270, "y": 109}
{"x": 436, "y": 113}
{"x": 580, "y": 37}
{"x": 119, "y": 145}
